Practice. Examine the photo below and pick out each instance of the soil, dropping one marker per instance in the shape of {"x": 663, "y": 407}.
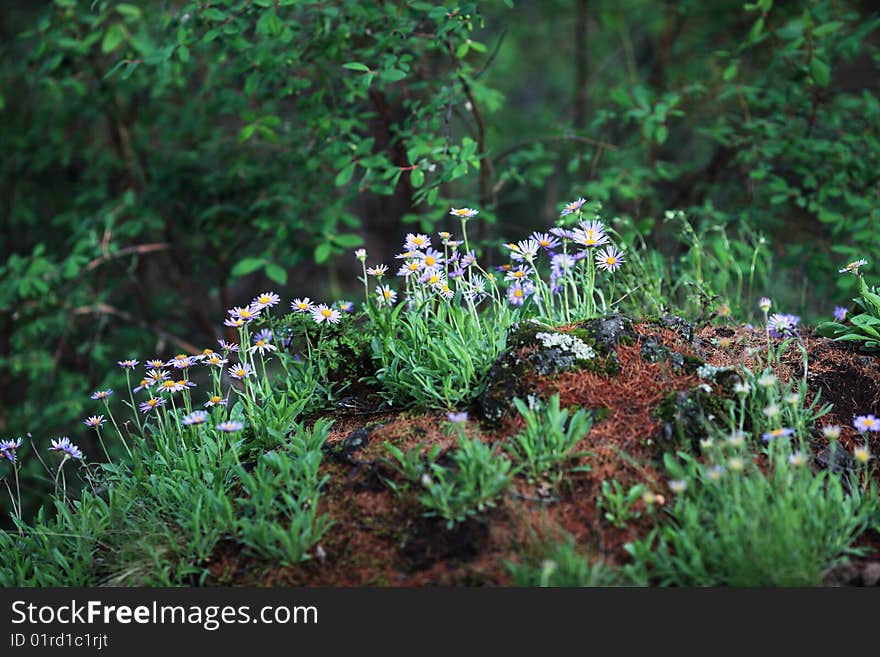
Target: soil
{"x": 380, "y": 539}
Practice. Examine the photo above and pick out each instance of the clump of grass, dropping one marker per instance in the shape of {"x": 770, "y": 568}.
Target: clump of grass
{"x": 561, "y": 565}
{"x": 469, "y": 485}
{"x": 546, "y": 446}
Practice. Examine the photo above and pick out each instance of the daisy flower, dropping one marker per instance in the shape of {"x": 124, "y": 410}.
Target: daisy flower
{"x": 230, "y": 427}
{"x": 216, "y": 360}
{"x": 172, "y": 386}
{"x": 862, "y": 455}
{"x": 609, "y": 259}
{"x": 430, "y": 258}
{"x": 431, "y": 277}
{"x": 229, "y": 346}
{"x": 468, "y": 258}
{"x": 519, "y": 292}
{"x": 64, "y": 445}
{"x": 526, "y": 250}
{"x": 378, "y": 271}
{"x": 361, "y": 254}
{"x": 386, "y": 295}
{"x": 94, "y": 421}
{"x": 151, "y": 404}
{"x": 783, "y": 325}
{"x": 301, "y": 305}
{"x": 157, "y": 376}
{"x": 521, "y": 273}
{"x": 234, "y": 322}
{"x": 323, "y": 313}
{"x": 546, "y": 240}
{"x": 143, "y": 385}
{"x": 182, "y": 362}
{"x": 8, "y": 447}
{"x": 407, "y": 255}
{"x": 797, "y": 459}
{"x": 736, "y": 463}
{"x": 767, "y": 381}
{"x": 194, "y": 418}
{"x": 853, "y": 267}
{"x": 678, "y": 485}
{"x": 416, "y": 242}
{"x": 457, "y": 418}
{"x": 764, "y": 304}
{"x": 562, "y": 232}
{"x": 866, "y": 423}
{"x": 574, "y": 206}
{"x": 247, "y": 314}
{"x": 409, "y": 268}
{"x": 215, "y": 400}
{"x": 831, "y": 431}
{"x": 240, "y": 371}
{"x": 464, "y": 213}
{"x": 444, "y": 290}
{"x": 102, "y": 394}
{"x": 265, "y": 300}
{"x": 590, "y": 233}
{"x": 155, "y": 363}
{"x": 785, "y": 432}
{"x": 127, "y": 364}
{"x": 263, "y": 342}
{"x": 840, "y": 313}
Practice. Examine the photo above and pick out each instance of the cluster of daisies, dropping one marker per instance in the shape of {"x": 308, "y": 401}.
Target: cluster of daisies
{"x": 450, "y": 265}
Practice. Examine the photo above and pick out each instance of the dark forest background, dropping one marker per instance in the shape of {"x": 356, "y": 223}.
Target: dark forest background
{"x": 163, "y": 161}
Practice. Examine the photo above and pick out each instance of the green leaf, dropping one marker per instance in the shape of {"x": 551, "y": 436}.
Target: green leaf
{"x": 344, "y": 175}
{"x": 114, "y": 36}
{"x": 214, "y": 14}
{"x": 729, "y": 72}
{"x": 276, "y": 273}
{"x": 392, "y": 75}
{"x": 246, "y": 266}
{"x": 357, "y": 66}
{"x": 820, "y": 71}
{"x": 348, "y": 241}
{"x": 127, "y": 10}
{"x": 662, "y": 133}
{"x": 417, "y": 177}
{"x": 322, "y": 252}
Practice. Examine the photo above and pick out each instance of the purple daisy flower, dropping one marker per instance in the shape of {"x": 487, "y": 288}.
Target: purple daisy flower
{"x": 64, "y": 445}
{"x": 194, "y": 418}
{"x": 785, "y": 432}
{"x": 102, "y": 394}
{"x": 231, "y": 426}
{"x": 840, "y": 313}
{"x": 866, "y": 423}
{"x": 8, "y": 447}
{"x": 574, "y": 206}
{"x": 783, "y": 325}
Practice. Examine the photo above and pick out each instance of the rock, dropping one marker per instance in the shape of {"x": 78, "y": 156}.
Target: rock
{"x": 683, "y": 328}
{"x": 853, "y": 574}
{"x": 610, "y": 331}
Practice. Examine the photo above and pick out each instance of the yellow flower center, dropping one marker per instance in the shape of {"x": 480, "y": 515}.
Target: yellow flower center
{"x": 518, "y": 293}
{"x": 326, "y": 312}
{"x": 518, "y": 274}
{"x": 434, "y": 280}
{"x": 430, "y": 261}
{"x": 264, "y": 299}
{"x": 386, "y": 294}
{"x": 215, "y": 399}
{"x": 413, "y": 266}
{"x": 152, "y": 401}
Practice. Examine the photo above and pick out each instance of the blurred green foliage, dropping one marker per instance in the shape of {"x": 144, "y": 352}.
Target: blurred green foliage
{"x": 164, "y": 160}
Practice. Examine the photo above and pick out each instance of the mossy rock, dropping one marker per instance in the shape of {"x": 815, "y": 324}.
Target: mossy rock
{"x": 685, "y": 413}
{"x": 527, "y": 354}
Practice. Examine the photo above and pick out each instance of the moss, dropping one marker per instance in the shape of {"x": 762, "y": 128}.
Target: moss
{"x": 684, "y": 414}
{"x": 526, "y": 356}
